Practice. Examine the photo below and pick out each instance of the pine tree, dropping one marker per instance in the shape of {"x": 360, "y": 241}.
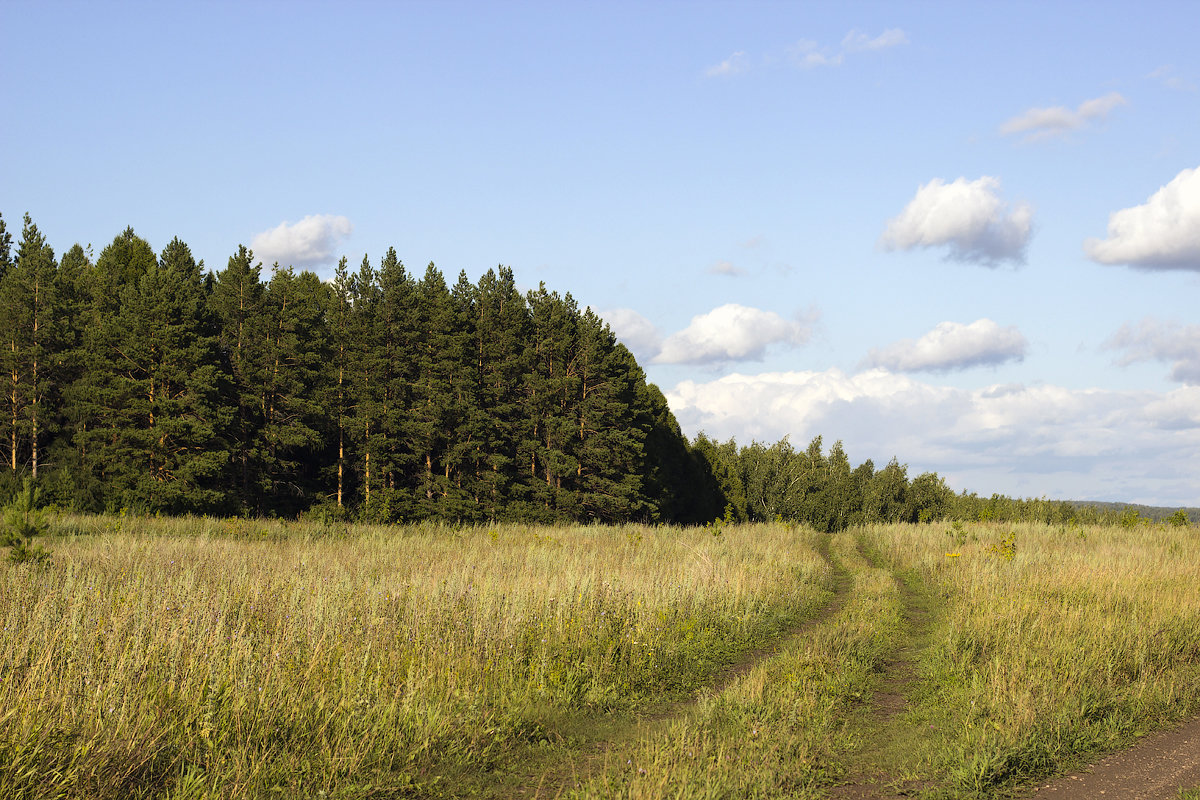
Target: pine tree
{"x": 30, "y": 334}
{"x": 295, "y": 350}
{"x": 337, "y": 383}
{"x": 678, "y": 481}
{"x": 552, "y": 389}
{"x": 721, "y": 461}
{"x": 464, "y": 454}
{"x": 120, "y": 265}
{"x": 437, "y": 356}
{"x": 64, "y": 485}
{"x": 5, "y": 248}
{"x": 239, "y": 304}
{"x": 167, "y": 453}
{"x": 500, "y": 352}
{"x": 96, "y": 395}
{"x": 396, "y": 325}
{"x": 369, "y": 377}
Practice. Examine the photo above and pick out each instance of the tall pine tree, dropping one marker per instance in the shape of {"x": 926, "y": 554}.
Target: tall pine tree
{"x": 295, "y": 349}
{"x": 96, "y": 397}
{"x": 168, "y": 453}
{"x": 500, "y": 353}
{"x": 614, "y": 419}
{"x": 30, "y": 336}
{"x": 239, "y": 303}
{"x": 438, "y": 353}
{"x": 336, "y": 398}
{"x": 552, "y": 388}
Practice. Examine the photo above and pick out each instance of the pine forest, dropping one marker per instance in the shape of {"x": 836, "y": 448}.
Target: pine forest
{"x": 147, "y": 383}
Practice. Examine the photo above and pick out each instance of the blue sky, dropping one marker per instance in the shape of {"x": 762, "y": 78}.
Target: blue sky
{"x": 967, "y": 235}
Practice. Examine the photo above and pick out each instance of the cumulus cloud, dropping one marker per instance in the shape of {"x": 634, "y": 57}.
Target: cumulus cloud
{"x": 968, "y": 217}
{"x": 731, "y": 332}
{"x": 1151, "y": 340}
{"x": 311, "y": 242}
{"x": 1040, "y": 123}
{"x": 1136, "y": 446}
{"x": 634, "y": 331}
{"x": 952, "y": 346}
{"x": 1163, "y": 233}
{"x": 735, "y": 64}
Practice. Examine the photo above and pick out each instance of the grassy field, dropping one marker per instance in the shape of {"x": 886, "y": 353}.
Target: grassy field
{"x": 231, "y": 658}
{"x": 1053, "y": 641}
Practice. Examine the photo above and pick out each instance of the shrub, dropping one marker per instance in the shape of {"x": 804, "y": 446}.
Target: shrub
{"x": 23, "y": 520}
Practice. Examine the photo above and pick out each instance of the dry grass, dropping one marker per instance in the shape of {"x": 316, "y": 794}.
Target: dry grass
{"x": 228, "y": 658}
{"x": 1043, "y": 644}
{"x": 235, "y": 659}
{"x": 783, "y": 729}
{"x": 1071, "y": 640}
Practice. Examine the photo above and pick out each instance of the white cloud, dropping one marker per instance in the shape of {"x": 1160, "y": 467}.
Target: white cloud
{"x": 311, "y": 242}
{"x": 1021, "y": 440}
{"x": 634, "y": 331}
{"x": 808, "y": 53}
{"x": 725, "y": 268}
{"x": 1167, "y": 76}
{"x": 735, "y": 64}
{"x": 1040, "y": 123}
{"x": 968, "y": 217}
{"x": 731, "y": 332}
{"x": 952, "y": 346}
{"x": 856, "y": 41}
{"x": 1162, "y": 233}
{"x": 1151, "y": 340}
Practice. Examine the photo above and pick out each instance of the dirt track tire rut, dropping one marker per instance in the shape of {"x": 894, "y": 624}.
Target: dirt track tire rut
{"x": 868, "y": 781}
{"x": 567, "y": 775}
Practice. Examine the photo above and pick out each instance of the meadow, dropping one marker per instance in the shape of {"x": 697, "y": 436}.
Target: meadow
{"x": 206, "y": 658}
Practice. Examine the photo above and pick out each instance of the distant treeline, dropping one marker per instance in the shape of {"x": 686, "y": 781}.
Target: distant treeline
{"x": 767, "y": 482}
{"x": 144, "y": 382}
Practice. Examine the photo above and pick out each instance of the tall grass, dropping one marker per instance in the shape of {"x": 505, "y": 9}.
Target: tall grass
{"x": 226, "y": 658}
{"x": 1056, "y": 641}
{"x": 783, "y": 729}
{"x": 233, "y": 658}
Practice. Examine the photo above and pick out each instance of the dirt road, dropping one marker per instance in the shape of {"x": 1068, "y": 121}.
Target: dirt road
{"x": 1155, "y": 768}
